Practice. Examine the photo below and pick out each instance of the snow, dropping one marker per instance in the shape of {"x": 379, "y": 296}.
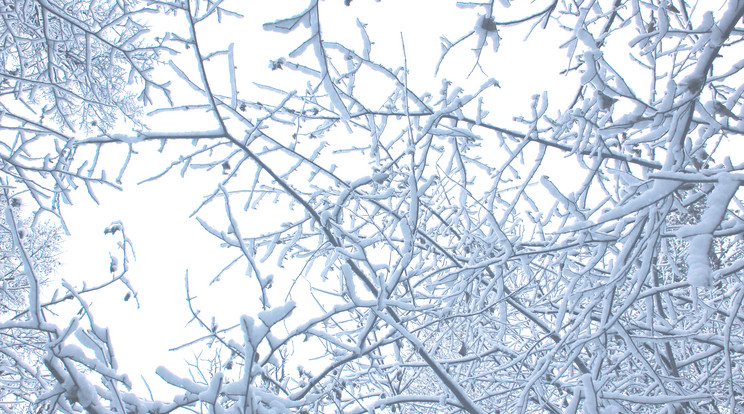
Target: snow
{"x": 76, "y": 353}
{"x": 182, "y": 383}
{"x": 656, "y": 399}
{"x": 698, "y": 265}
{"x": 28, "y": 268}
{"x": 701, "y": 233}
{"x": 590, "y": 395}
{"x": 211, "y": 393}
{"x": 349, "y": 282}
{"x": 638, "y": 199}
{"x": 718, "y": 202}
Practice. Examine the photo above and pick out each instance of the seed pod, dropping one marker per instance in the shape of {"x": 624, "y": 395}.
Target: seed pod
{"x": 463, "y": 350}
{"x": 721, "y": 109}
{"x": 605, "y": 102}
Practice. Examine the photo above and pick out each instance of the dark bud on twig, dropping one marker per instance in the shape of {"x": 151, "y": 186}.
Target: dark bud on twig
{"x": 721, "y": 109}
{"x": 127, "y": 296}
{"x": 700, "y": 159}
{"x": 693, "y": 84}
{"x": 380, "y": 177}
{"x": 347, "y": 2}
{"x": 276, "y": 64}
{"x": 15, "y": 202}
{"x": 463, "y": 350}
{"x": 225, "y": 167}
{"x": 488, "y": 24}
{"x": 112, "y": 229}
{"x": 605, "y": 102}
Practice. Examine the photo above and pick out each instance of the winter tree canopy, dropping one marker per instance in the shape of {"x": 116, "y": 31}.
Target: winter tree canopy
{"x": 415, "y": 239}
